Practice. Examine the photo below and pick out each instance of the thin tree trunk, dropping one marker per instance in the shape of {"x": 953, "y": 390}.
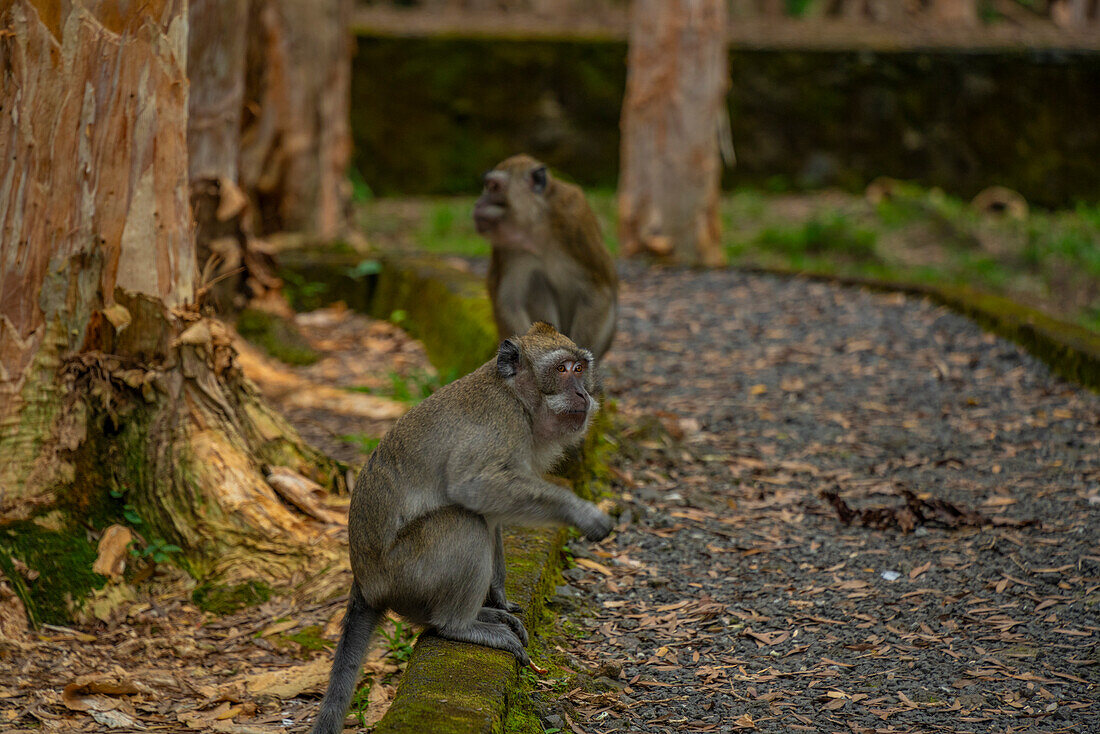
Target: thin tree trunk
{"x": 296, "y": 143}
{"x": 677, "y": 78}
{"x": 229, "y": 255}
{"x": 1072, "y": 13}
{"x": 950, "y": 12}
{"x": 110, "y": 378}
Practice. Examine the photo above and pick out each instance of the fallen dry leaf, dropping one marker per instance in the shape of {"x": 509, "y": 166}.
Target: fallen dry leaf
{"x": 93, "y": 692}
{"x": 290, "y": 682}
{"x": 116, "y": 720}
{"x": 283, "y": 626}
{"x": 304, "y": 493}
{"x": 594, "y": 566}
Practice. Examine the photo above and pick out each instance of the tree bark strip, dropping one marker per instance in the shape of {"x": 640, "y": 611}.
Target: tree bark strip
{"x": 110, "y": 377}
{"x": 296, "y": 142}
{"x": 92, "y": 198}
{"x": 677, "y": 78}
{"x": 239, "y": 265}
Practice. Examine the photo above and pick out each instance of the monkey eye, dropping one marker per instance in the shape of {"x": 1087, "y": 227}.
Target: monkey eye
{"x": 538, "y": 179}
{"x": 578, "y": 367}
{"x": 561, "y": 368}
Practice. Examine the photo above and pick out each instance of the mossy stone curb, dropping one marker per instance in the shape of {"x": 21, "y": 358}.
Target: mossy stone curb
{"x": 1070, "y": 351}
{"x": 448, "y": 687}
{"x": 452, "y": 687}
{"x": 445, "y": 308}
{"x": 457, "y": 688}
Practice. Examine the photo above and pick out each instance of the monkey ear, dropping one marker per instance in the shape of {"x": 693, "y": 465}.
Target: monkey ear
{"x": 538, "y": 179}
{"x": 507, "y": 359}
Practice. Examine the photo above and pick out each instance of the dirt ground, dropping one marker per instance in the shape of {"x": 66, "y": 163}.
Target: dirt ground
{"x": 846, "y": 512}
{"x": 156, "y": 662}
{"x": 857, "y": 512}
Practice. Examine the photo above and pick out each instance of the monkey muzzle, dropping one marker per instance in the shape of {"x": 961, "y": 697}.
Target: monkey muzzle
{"x": 491, "y": 206}
{"x": 488, "y": 211}
{"x": 576, "y": 411}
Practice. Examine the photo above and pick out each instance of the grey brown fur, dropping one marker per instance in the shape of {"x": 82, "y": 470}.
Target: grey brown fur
{"x": 549, "y": 262}
{"x": 425, "y": 516}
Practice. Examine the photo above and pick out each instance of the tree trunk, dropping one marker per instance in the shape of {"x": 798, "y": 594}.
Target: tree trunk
{"x": 110, "y": 378}
{"x": 239, "y": 266}
{"x": 954, "y": 12}
{"x": 296, "y": 142}
{"x": 1072, "y": 14}
{"x": 677, "y": 78}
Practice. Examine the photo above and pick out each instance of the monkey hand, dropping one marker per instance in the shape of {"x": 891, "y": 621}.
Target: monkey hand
{"x": 597, "y": 525}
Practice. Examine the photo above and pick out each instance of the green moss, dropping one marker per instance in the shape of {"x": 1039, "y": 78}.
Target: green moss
{"x": 445, "y": 308}
{"x": 218, "y": 599}
{"x": 1070, "y": 350}
{"x": 450, "y": 688}
{"x": 310, "y": 639}
{"x": 57, "y": 546}
{"x": 522, "y": 717}
{"x": 277, "y": 336}
{"x": 63, "y": 559}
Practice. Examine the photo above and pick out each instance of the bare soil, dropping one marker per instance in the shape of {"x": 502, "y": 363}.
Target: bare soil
{"x": 146, "y": 658}
{"x": 738, "y": 596}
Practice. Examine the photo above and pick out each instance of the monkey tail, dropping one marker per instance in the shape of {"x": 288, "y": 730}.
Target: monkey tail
{"x": 359, "y": 624}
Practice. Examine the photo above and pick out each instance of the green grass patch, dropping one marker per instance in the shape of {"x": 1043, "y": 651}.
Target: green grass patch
{"x": 1049, "y": 260}
{"x": 310, "y": 639}
{"x": 63, "y": 561}
{"x": 449, "y": 227}
{"x": 445, "y": 226}
{"x": 218, "y": 599}
{"x": 400, "y": 642}
{"x": 362, "y": 441}
{"x": 411, "y": 387}
{"x": 832, "y": 233}
{"x": 277, "y": 336}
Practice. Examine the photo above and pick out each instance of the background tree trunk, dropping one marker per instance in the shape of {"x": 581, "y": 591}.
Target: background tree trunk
{"x": 677, "y": 78}
{"x": 949, "y": 12}
{"x": 296, "y": 142}
{"x": 110, "y": 379}
{"x": 229, "y": 255}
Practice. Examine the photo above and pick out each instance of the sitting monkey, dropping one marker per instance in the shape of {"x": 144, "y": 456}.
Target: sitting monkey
{"x": 549, "y": 262}
{"x": 423, "y": 526}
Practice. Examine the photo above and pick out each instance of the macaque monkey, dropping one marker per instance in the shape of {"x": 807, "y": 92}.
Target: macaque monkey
{"x": 423, "y": 526}
{"x": 549, "y": 262}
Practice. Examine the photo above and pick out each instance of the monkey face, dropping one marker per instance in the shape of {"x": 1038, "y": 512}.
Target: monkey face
{"x": 551, "y": 375}
{"x": 513, "y": 193}
{"x": 570, "y": 399}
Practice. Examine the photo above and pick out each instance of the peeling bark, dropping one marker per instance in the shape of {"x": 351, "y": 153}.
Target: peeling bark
{"x": 110, "y": 379}
{"x": 677, "y": 78}
{"x": 92, "y": 200}
{"x": 237, "y": 265}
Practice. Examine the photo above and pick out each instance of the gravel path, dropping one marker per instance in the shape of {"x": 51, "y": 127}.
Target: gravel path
{"x": 739, "y": 600}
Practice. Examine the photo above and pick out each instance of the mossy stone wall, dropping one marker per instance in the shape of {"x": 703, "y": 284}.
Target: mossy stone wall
{"x": 429, "y": 115}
